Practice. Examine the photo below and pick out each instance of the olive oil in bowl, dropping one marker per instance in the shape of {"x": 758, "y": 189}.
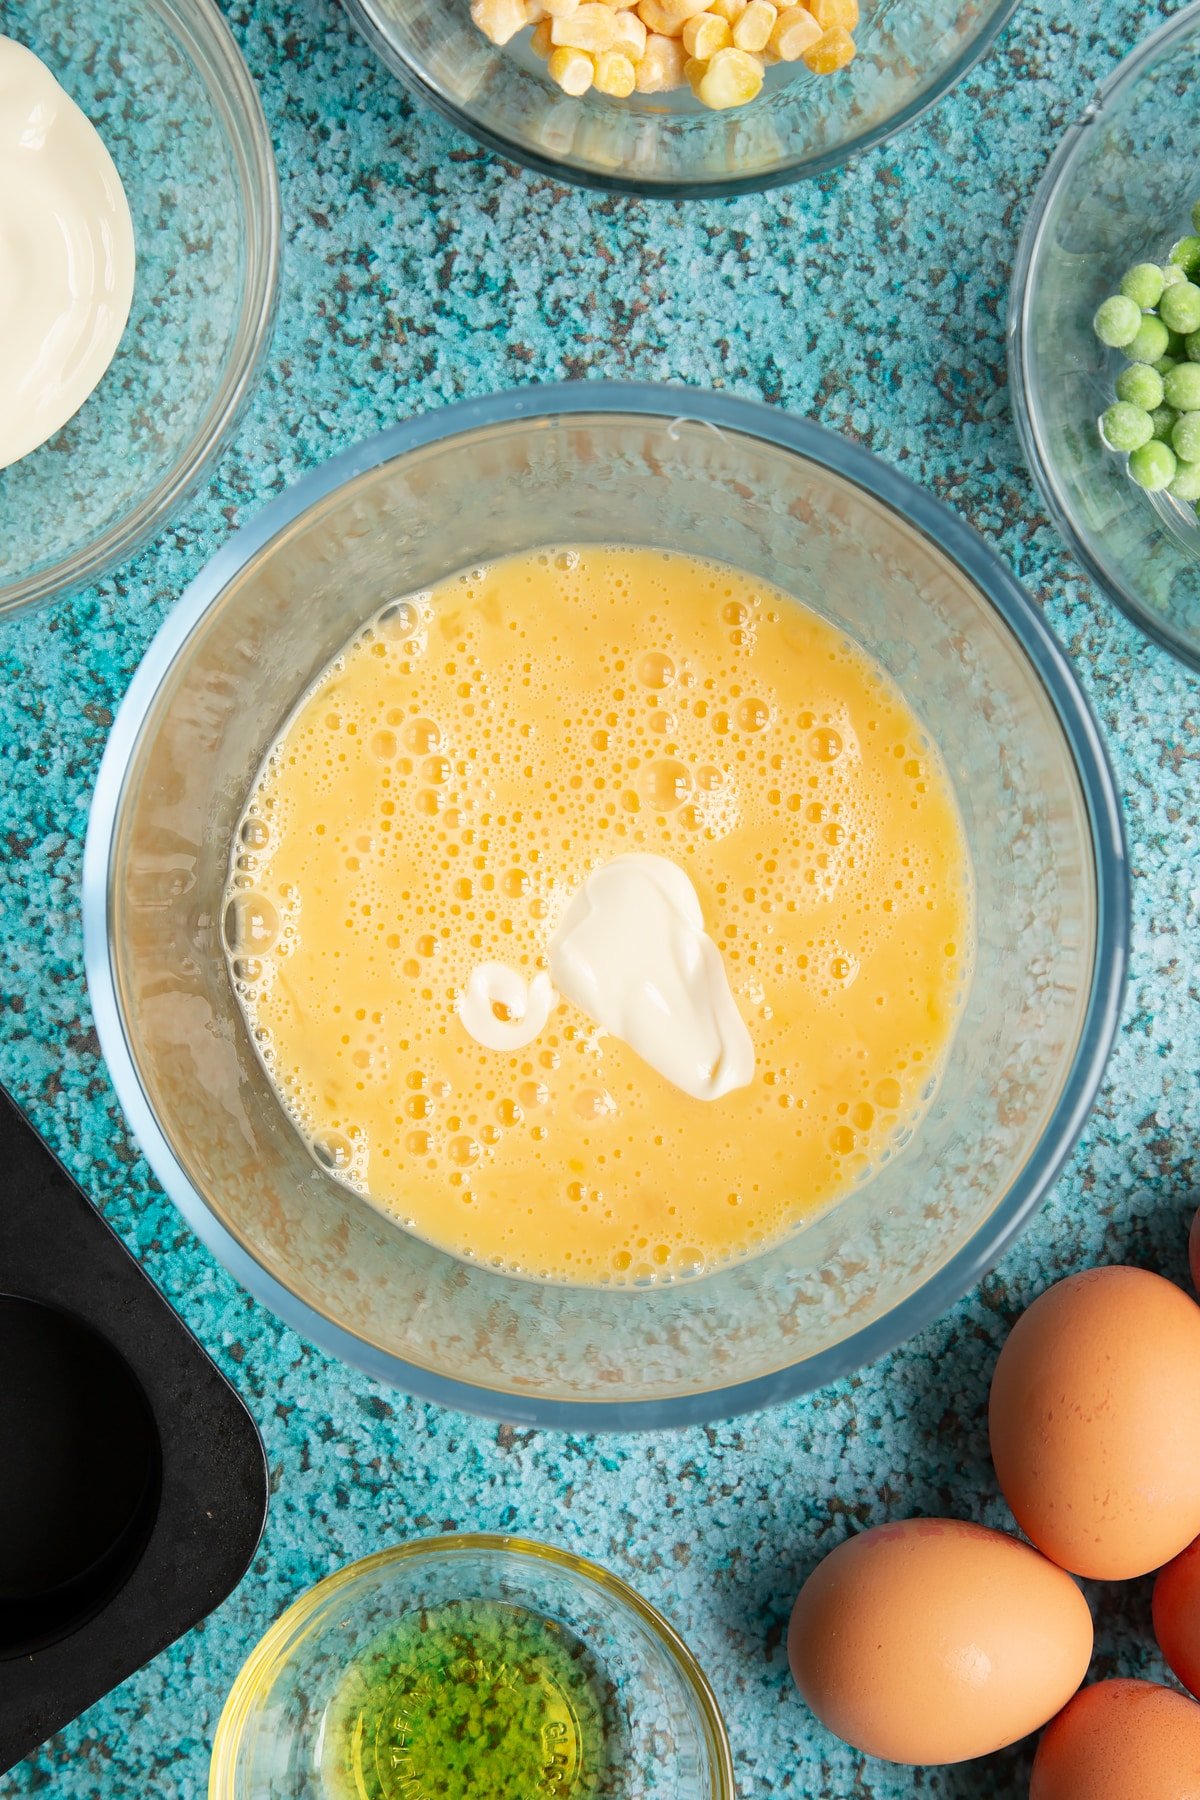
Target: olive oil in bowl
{"x": 474, "y": 1700}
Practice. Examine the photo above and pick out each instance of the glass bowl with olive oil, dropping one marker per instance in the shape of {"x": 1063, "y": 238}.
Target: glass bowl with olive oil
{"x": 471, "y": 1668}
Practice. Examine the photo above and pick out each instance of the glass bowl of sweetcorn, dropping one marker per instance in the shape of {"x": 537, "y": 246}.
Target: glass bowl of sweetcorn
{"x": 1115, "y": 203}
{"x": 680, "y": 98}
{"x": 166, "y": 88}
{"x": 894, "y": 577}
{"x": 386, "y": 1677}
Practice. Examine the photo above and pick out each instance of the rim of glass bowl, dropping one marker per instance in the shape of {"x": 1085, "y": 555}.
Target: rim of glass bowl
{"x": 955, "y": 539}
{"x": 513, "y": 150}
{"x": 1126, "y": 75}
{"x": 274, "y": 1647}
{"x": 234, "y": 95}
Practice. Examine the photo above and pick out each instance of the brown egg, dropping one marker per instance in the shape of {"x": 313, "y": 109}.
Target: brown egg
{"x": 1095, "y": 1422}
{"x": 1121, "y": 1740}
{"x": 933, "y": 1640}
{"x": 1176, "y": 1608}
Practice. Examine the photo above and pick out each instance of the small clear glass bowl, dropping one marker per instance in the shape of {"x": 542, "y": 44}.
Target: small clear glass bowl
{"x": 166, "y": 87}
{"x": 278, "y": 1734}
{"x": 1119, "y": 190}
{"x": 910, "y": 53}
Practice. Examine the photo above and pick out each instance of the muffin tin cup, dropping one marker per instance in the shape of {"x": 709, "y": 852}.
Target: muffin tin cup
{"x": 133, "y": 1487}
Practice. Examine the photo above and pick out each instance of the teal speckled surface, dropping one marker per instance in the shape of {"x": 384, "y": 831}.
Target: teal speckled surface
{"x": 416, "y": 269}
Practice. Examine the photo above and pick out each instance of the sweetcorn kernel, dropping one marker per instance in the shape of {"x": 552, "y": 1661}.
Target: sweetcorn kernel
{"x": 831, "y": 13}
{"x": 729, "y": 10}
{"x": 590, "y": 27}
{"x": 753, "y": 30}
{"x": 694, "y": 72}
{"x": 542, "y": 43}
{"x": 572, "y": 69}
{"x": 705, "y": 34}
{"x": 732, "y": 78}
{"x": 614, "y": 74}
{"x": 832, "y": 51}
{"x": 631, "y": 35}
{"x": 661, "y": 67}
{"x": 795, "y": 32}
{"x": 559, "y": 9}
{"x": 682, "y": 10}
{"x": 668, "y": 17}
{"x": 499, "y": 20}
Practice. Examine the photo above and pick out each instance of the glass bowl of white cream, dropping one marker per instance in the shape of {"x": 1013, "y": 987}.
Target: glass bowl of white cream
{"x": 139, "y": 225}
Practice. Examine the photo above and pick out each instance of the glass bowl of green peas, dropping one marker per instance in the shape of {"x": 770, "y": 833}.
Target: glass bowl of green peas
{"x": 1104, "y": 337}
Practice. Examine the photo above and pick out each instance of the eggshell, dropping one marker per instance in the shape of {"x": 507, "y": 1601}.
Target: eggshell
{"x": 1121, "y": 1740}
{"x": 1095, "y": 1422}
{"x": 1194, "y": 1252}
{"x": 1177, "y": 1616}
{"x": 933, "y": 1640}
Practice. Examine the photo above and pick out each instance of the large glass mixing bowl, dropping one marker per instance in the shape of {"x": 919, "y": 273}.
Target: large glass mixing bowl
{"x": 910, "y": 53}
{"x": 679, "y": 469}
{"x": 1119, "y": 190}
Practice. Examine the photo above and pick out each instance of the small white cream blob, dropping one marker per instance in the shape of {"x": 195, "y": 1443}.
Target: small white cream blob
{"x": 493, "y": 984}
{"x": 632, "y": 953}
{"x": 66, "y": 255}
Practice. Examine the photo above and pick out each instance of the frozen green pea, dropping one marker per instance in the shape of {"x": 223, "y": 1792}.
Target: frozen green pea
{"x": 1163, "y": 366}
{"x": 1152, "y": 466}
{"x": 1162, "y": 421}
{"x": 1125, "y": 427}
{"x": 1143, "y": 284}
{"x": 1149, "y": 341}
{"x": 1179, "y": 308}
{"x": 1117, "y": 321}
{"x": 1191, "y": 346}
{"x": 1142, "y": 386}
{"x": 1172, "y": 275}
{"x": 1185, "y": 483}
{"x": 1181, "y": 389}
{"x": 1185, "y": 437}
{"x": 1186, "y": 254}
{"x": 1176, "y": 344}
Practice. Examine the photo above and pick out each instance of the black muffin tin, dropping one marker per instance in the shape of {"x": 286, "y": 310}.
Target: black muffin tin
{"x": 133, "y": 1487}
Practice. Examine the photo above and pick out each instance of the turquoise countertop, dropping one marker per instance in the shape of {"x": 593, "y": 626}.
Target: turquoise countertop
{"x": 417, "y": 269}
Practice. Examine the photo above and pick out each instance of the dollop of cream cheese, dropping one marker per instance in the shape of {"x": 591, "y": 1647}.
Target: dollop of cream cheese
{"x": 66, "y": 255}
{"x": 632, "y": 953}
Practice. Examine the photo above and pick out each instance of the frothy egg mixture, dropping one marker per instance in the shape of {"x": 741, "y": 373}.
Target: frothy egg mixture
{"x": 460, "y": 821}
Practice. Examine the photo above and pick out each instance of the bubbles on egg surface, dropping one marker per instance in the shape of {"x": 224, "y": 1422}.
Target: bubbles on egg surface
{"x": 753, "y": 715}
{"x": 251, "y": 924}
{"x": 665, "y": 784}
{"x": 401, "y": 619}
{"x": 655, "y": 669}
{"x": 825, "y": 744}
{"x": 421, "y": 736}
{"x": 332, "y": 1150}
